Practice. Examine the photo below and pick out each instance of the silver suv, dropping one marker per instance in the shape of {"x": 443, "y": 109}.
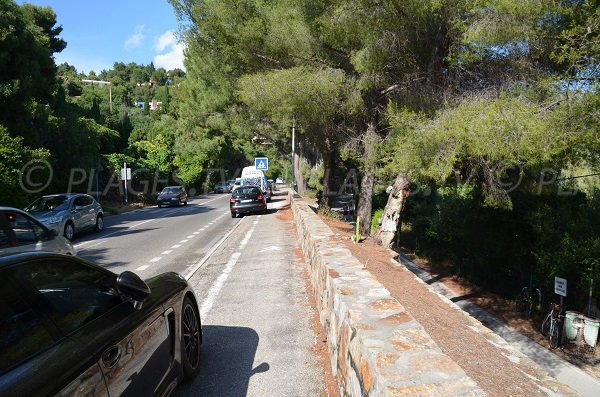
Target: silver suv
{"x": 20, "y": 232}
{"x": 68, "y": 213}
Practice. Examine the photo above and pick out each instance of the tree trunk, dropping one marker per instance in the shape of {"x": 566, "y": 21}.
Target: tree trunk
{"x": 328, "y": 166}
{"x": 388, "y": 233}
{"x": 299, "y": 181}
{"x": 365, "y": 199}
{"x": 365, "y": 203}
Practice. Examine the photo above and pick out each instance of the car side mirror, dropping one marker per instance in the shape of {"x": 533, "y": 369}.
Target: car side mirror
{"x": 133, "y": 287}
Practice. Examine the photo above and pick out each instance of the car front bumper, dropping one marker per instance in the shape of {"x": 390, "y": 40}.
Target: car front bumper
{"x": 174, "y": 201}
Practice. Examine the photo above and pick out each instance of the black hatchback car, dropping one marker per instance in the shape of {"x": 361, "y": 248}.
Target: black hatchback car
{"x": 69, "y": 327}
{"x": 247, "y": 199}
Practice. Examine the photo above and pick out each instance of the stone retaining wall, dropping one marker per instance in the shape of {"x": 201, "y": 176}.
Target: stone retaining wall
{"x": 376, "y": 347}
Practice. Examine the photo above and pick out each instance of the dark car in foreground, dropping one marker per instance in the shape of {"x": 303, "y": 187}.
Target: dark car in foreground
{"x": 172, "y": 195}
{"x": 247, "y": 199}
{"x": 68, "y": 213}
{"x": 69, "y": 327}
{"x": 20, "y": 232}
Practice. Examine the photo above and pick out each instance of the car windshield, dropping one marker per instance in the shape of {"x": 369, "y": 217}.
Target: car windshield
{"x": 170, "y": 190}
{"x": 49, "y": 203}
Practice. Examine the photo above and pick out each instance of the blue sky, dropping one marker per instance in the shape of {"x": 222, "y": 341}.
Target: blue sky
{"x": 101, "y": 32}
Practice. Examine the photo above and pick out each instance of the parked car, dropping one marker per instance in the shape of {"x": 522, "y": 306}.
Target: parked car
{"x": 230, "y": 184}
{"x": 246, "y": 199}
{"x": 20, "y": 232}
{"x": 273, "y": 186}
{"x": 68, "y": 213}
{"x": 279, "y": 181}
{"x": 69, "y": 327}
{"x": 172, "y": 195}
{"x": 221, "y": 187}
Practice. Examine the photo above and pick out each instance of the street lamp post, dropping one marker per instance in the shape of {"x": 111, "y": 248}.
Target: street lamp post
{"x": 293, "y": 151}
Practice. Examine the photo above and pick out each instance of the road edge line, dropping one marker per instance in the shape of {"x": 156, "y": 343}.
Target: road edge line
{"x": 189, "y": 274}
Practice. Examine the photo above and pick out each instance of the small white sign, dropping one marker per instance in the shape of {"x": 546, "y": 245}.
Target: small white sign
{"x": 126, "y": 176}
{"x": 560, "y": 286}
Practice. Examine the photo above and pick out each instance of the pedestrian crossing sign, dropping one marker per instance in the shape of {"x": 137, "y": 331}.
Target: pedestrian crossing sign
{"x": 261, "y": 163}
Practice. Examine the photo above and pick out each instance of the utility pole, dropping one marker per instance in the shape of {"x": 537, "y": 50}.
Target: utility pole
{"x": 293, "y": 151}
{"x": 124, "y": 175}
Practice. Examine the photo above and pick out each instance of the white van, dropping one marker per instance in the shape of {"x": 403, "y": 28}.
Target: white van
{"x": 252, "y": 176}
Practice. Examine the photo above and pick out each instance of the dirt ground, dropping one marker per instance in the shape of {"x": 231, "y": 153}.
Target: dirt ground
{"x": 492, "y": 371}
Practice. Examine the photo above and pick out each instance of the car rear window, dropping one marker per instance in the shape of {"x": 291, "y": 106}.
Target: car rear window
{"x": 246, "y": 190}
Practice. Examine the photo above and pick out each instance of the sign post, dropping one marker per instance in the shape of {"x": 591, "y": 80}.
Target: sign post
{"x": 560, "y": 288}
{"x": 125, "y": 175}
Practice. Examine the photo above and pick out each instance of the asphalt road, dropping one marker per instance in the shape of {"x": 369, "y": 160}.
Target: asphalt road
{"x": 249, "y": 283}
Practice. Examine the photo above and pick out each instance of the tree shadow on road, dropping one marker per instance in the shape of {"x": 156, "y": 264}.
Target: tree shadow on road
{"x": 227, "y": 363}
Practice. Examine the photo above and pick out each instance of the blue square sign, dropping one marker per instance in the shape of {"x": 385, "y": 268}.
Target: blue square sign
{"x": 261, "y": 163}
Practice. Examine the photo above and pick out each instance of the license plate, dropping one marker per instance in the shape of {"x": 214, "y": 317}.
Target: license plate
{"x": 246, "y": 201}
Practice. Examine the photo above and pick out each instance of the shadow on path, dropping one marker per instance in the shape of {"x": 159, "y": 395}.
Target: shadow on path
{"x": 227, "y": 363}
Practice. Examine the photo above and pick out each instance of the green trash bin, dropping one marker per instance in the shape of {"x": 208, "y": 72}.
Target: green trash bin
{"x": 570, "y": 328}
{"x": 590, "y": 330}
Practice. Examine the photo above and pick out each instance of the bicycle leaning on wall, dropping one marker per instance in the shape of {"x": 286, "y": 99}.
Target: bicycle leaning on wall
{"x": 553, "y": 324}
{"x": 524, "y": 302}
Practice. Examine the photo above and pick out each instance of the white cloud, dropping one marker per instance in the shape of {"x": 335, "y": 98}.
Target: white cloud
{"x": 173, "y": 58}
{"x": 166, "y": 40}
{"x": 136, "y": 39}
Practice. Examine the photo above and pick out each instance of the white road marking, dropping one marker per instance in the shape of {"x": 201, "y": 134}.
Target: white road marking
{"x": 194, "y": 268}
{"x": 196, "y": 233}
{"x": 167, "y": 213}
{"x": 156, "y": 259}
{"x": 142, "y": 268}
{"x": 220, "y": 281}
{"x": 218, "y": 284}
{"x": 183, "y": 241}
{"x": 271, "y": 248}
{"x": 190, "y": 236}
{"x": 176, "y": 246}
{"x": 167, "y": 252}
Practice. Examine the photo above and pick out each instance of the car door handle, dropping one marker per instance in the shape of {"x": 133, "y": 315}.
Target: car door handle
{"x": 111, "y": 357}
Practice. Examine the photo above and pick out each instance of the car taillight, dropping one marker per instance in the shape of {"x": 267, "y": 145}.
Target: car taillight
{"x": 259, "y": 198}
{"x": 232, "y": 200}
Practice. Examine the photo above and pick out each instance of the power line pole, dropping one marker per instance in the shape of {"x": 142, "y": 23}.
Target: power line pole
{"x": 293, "y": 151}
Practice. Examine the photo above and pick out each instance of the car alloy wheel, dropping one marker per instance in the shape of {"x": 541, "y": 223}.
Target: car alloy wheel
{"x": 99, "y": 223}
{"x": 190, "y": 339}
{"x": 69, "y": 230}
